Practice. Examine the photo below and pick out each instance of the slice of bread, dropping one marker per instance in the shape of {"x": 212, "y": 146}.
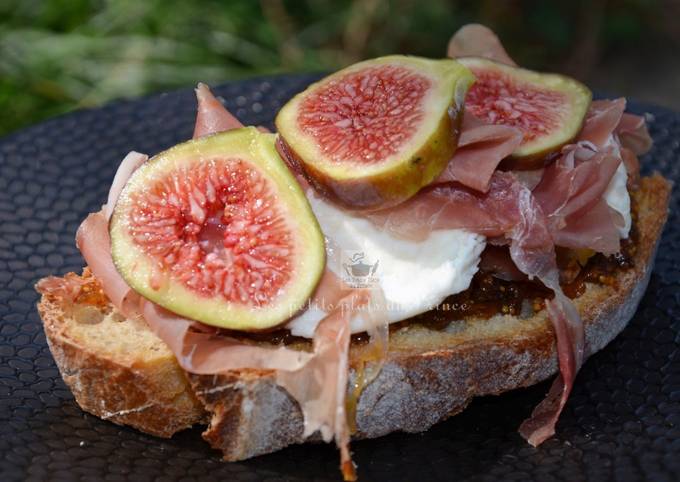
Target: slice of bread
{"x": 117, "y": 368}
{"x": 120, "y": 371}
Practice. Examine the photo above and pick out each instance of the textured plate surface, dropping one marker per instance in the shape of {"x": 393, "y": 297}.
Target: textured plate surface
{"x": 622, "y": 421}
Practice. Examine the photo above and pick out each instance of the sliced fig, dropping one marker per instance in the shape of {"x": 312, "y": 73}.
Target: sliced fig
{"x": 218, "y": 230}
{"x": 549, "y": 109}
{"x": 373, "y": 134}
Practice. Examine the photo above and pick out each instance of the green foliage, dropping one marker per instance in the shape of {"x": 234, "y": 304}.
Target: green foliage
{"x": 57, "y": 55}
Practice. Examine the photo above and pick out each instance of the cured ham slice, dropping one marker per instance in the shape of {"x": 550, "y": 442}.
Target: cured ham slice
{"x": 602, "y": 119}
{"x": 596, "y": 228}
{"x": 632, "y": 130}
{"x": 481, "y": 147}
{"x": 202, "y": 350}
{"x": 635, "y": 141}
{"x": 321, "y": 386}
{"x": 454, "y": 206}
{"x": 93, "y": 241}
{"x": 571, "y": 195}
{"x": 68, "y": 288}
{"x": 572, "y": 189}
{"x": 608, "y": 126}
{"x": 475, "y": 40}
{"x": 211, "y": 116}
{"x": 533, "y": 252}
{"x": 570, "y": 352}
{"x": 128, "y": 165}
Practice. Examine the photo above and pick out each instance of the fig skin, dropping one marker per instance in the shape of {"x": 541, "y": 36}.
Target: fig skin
{"x": 535, "y": 155}
{"x": 141, "y": 271}
{"x": 383, "y": 190}
{"x": 368, "y": 188}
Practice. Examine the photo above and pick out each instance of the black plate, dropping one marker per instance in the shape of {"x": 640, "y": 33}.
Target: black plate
{"x": 622, "y": 421}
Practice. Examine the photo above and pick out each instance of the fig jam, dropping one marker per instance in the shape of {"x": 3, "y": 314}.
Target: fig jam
{"x": 488, "y": 296}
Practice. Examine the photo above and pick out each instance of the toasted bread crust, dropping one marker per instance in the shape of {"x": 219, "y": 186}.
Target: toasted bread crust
{"x": 425, "y": 379}
{"x": 150, "y": 395}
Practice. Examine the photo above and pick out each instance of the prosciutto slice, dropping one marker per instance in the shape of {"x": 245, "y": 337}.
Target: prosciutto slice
{"x": 533, "y": 252}
{"x": 602, "y": 119}
{"x": 632, "y": 130}
{"x": 635, "y": 141}
{"x": 93, "y": 241}
{"x": 572, "y": 188}
{"x": 596, "y": 228}
{"x": 211, "y": 116}
{"x": 128, "y": 165}
{"x": 454, "y": 206}
{"x": 317, "y": 379}
{"x": 570, "y": 335}
{"x": 481, "y": 147}
{"x": 202, "y": 350}
{"x": 68, "y": 288}
{"x": 608, "y": 126}
{"x": 475, "y": 40}
{"x": 571, "y": 195}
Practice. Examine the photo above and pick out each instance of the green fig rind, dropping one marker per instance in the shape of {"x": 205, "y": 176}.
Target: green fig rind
{"x": 418, "y": 163}
{"x": 530, "y": 155}
{"x": 138, "y": 269}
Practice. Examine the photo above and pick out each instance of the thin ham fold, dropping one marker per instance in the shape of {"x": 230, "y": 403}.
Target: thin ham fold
{"x": 570, "y": 335}
{"x": 635, "y": 141}
{"x": 475, "y": 40}
{"x": 128, "y": 165}
{"x": 453, "y": 206}
{"x": 481, "y": 147}
{"x": 211, "y": 116}
{"x": 533, "y": 252}
{"x": 571, "y": 195}
{"x": 634, "y": 135}
{"x": 572, "y": 188}
{"x": 602, "y": 119}
{"x": 607, "y": 125}
{"x": 203, "y": 350}
{"x": 93, "y": 241}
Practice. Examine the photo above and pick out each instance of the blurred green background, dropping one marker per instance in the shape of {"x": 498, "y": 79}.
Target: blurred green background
{"x": 59, "y": 55}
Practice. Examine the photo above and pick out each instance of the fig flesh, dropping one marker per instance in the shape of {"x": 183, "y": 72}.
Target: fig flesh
{"x": 549, "y": 109}
{"x": 371, "y": 135}
{"x": 218, "y": 230}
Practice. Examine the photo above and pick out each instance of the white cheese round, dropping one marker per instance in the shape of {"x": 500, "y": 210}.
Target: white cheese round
{"x": 616, "y": 194}
{"x": 415, "y": 276}
{"x": 618, "y": 199}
